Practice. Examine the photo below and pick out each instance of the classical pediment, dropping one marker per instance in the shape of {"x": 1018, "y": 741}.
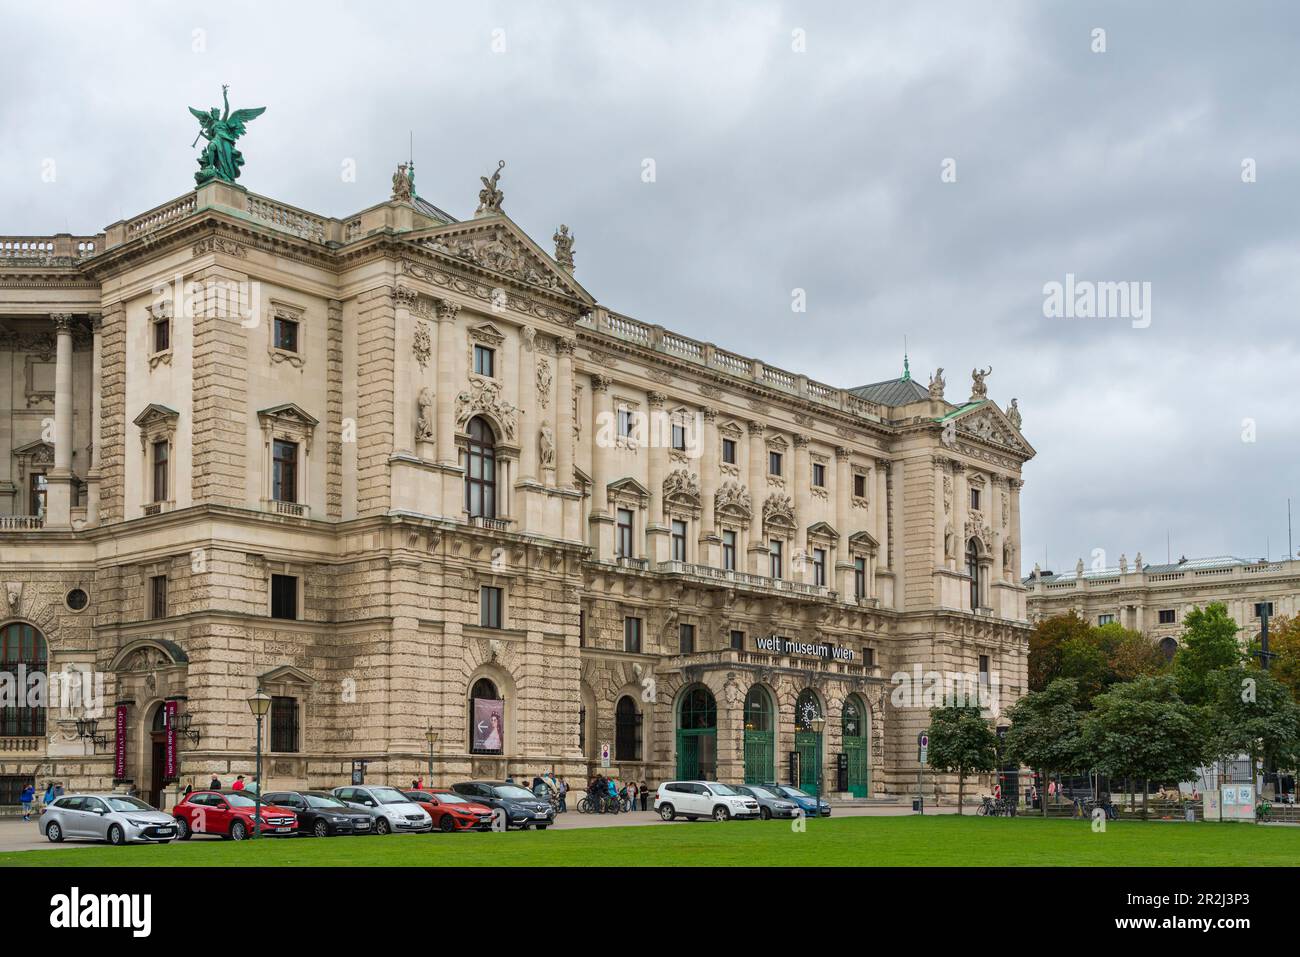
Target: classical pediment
{"x": 496, "y": 244}
{"x": 154, "y": 413}
{"x": 288, "y": 412}
{"x": 986, "y": 422}
{"x": 823, "y": 530}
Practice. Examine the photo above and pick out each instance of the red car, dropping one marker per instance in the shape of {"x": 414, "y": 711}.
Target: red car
{"x": 230, "y": 814}
{"x": 452, "y": 812}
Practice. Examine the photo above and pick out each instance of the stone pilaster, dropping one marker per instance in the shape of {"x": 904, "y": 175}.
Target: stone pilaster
{"x": 376, "y": 361}
{"x": 219, "y": 472}
{"x": 60, "y": 481}
{"x": 756, "y": 452}
{"x": 334, "y": 409}
{"x": 564, "y": 413}
{"x": 843, "y": 521}
{"x": 801, "y": 482}
{"x": 112, "y": 426}
{"x": 709, "y": 540}
{"x": 656, "y": 526}
{"x": 446, "y": 436}
{"x": 96, "y": 411}
{"x": 404, "y": 384}
{"x": 600, "y": 522}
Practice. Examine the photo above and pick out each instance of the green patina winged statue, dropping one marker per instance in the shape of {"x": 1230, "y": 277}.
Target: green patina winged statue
{"x": 219, "y": 159}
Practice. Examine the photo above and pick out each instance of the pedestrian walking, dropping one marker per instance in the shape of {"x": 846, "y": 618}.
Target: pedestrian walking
{"x": 28, "y": 796}
{"x": 645, "y": 795}
{"x": 239, "y": 783}
{"x": 214, "y": 784}
{"x": 564, "y": 795}
{"x": 631, "y": 795}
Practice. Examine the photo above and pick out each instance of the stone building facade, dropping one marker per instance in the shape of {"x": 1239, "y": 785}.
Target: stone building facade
{"x": 1154, "y": 599}
{"x": 404, "y": 474}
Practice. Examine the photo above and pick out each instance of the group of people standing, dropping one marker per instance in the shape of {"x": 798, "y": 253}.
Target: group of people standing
{"x": 28, "y": 797}
{"x": 603, "y": 789}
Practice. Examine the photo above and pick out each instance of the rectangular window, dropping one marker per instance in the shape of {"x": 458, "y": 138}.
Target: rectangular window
{"x": 819, "y": 475}
{"x": 286, "y": 334}
{"x": 859, "y": 486}
{"x": 1167, "y": 616}
{"x": 774, "y": 555}
{"x": 1105, "y": 619}
{"x": 729, "y": 451}
{"x": 975, "y": 499}
{"x": 1262, "y": 608}
{"x": 984, "y": 669}
{"x": 284, "y": 724}
{"x": 632, "y": 635}
{"x": 484, "y": 361}
{"x": 582, "y": 628}
{"x": 729, "y": 550}
{"x": 679, "y": 541}
{"x": 39, "y": 485}
{"x": 162, "y": 335}
{"x": 686, "y": 639}
{"x": 623, "y": 545}
{"x": 738, "y": 640}
{"x": 624, "y": 422}
{"x": 284, "y": 471}
{"x": 284, "y": 597}
{"x": 489, "y": 607}
{"x": 160, "y": 471}
{"x": 819, "y": 566}
{"x": 774, "y": 463}
{"x": 679, "y": 438}
{"x": 860, "y": 577}
{"x": 158, "y": 596}
{"x": 869, "y": 657}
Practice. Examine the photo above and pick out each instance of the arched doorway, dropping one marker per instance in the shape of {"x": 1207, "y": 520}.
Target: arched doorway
{"x": 23, "y": 655}
{"x": 157, "y": 756}
{"x": 806, "y": 739}
{"x": 697, "y": 735}
{"x": 760, "y": 737}
{"x": 853, "y": 728}
{"x": 487, "y": 718}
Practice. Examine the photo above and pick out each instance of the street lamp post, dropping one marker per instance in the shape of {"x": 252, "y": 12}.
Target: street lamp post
{"x": 259, "y": 704}
{"x": 432, "y": 737}
{"x": 818, "y": 725}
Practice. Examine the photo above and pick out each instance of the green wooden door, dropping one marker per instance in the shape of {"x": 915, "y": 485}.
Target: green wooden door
{"x": 760, "y": 764}
{"x": 688, "y": 755}
{"x": 697, "y": 735}
{"x": 854, "y": 727}
{"x": 805, "y": 742}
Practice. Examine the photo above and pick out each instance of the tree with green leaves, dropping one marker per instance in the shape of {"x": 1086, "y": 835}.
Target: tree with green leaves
{"x": 1143, "y": 730}
{"x": 1253, "y": 713}
{"x": 1284, "y": 647}
{"x": 1066, "y": 646}
{"x": 1046, "y": 731}
{"x": 961, "y": 743}
{"x": 1045, "y": 644}
{"x": 1209, "y": 644}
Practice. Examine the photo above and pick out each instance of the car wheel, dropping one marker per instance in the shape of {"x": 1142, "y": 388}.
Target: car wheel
{"x": 382, "y": 826}
{"x": 322, "y": 829}
{"x": 54, "y": 832}
{"x": 720, "y": 813}
{"x": 765, "y": 814}
{"x": 667, "y": 812}
{"x": 238, "y": 831}
{"x": 446, "y": 824}
{"x": 183, "y": 829}
{"x": 115, "y": 836}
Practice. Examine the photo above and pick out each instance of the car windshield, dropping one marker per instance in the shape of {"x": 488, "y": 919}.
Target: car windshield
{"x": 129, "y": 804}
{"x": 319, "y": 800}
{"x": 239, "y": 800}
{"x": 761, "y": 793}
{"x": 795, "y": 793}
{"x": 510, "y": 791}
{"x": 448, "y": 798}
{"x": 723, "y": 790}
{"x": 389, "y": 796}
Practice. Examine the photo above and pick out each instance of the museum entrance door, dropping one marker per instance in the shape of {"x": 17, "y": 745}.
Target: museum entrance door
{"x": 697, "y": 735}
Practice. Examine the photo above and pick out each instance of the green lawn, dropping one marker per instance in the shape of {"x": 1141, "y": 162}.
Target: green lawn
{"x": 853, "y": 841}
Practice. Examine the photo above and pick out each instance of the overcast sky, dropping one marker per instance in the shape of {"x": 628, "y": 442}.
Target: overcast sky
{"x": 778, "y": 169}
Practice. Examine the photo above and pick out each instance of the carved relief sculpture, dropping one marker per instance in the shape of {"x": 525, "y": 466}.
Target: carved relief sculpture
{"x": 543, "y": 383}
{"x": 546, "y": 447}
{"x": 422, "y": 346}
{"x": 564, "y": 248}
{"x": 484, "y": 395}
{"x": 424, "y": 422}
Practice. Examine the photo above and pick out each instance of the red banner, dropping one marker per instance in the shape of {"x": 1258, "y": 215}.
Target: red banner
{"x": 169, "y": 717}
{"x": 119, "y": 746}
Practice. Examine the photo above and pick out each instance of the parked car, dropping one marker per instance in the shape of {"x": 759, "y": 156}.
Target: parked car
{"x": 697, "y": 799}
{"x": 452, "y": 812}
{"x": 770, "y": 804}
{"x": 115, "y": 818}
{"x": 394, "y": 811}
{"x": 321, "y": 814}
{"x": 230, "y": 814}
{"x": 522, "y": 808}
{"x": 806, "y": 801}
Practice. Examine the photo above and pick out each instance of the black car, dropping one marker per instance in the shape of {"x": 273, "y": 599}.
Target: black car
{"x": 322, "y": 814}
{"x": 522, "y": 808}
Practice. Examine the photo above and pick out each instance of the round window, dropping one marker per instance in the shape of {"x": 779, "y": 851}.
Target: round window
{"x": 77, "y": 599}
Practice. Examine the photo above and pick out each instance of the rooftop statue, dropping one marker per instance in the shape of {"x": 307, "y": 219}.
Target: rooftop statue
{"x": 219, "y": 159}
{"x": 978, "y": 389}
{"x": 490, "y": 196}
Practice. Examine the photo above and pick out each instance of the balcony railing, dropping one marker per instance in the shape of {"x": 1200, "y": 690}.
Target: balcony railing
{"x": 11, "y": 744}
{"x": 493, "y": 524}
{"x": 296, "y": 509}
{"x": 21, "y": 523}
{"x": 728, "y": 576}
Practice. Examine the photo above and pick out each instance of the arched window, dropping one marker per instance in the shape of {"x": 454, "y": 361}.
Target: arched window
{"x": 22, "y": 656}
{"x": 481, "y": 470}
{"x": 1168, "y": 647}
{"x": 487, "y": 718}
{"x": 699, "y": 710}
{"x": 758, "y": 709}
{"x": 973, "y": 570}
{"x": 806, "y": 709}
{"x": 627, "y": 730}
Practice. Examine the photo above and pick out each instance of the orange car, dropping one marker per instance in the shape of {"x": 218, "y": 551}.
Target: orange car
{"x": 451, "y": 811}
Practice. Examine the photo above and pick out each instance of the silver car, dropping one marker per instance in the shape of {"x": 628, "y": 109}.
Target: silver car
{"x": 770, "y": 804}
{"x": 115, "y": 818}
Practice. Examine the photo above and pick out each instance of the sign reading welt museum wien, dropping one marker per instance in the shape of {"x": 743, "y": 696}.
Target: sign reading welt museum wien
{"x": 809, "y": 649}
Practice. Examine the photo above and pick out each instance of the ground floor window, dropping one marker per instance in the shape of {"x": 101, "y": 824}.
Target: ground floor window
{"x": 627, "y": 730}
{"x": 284, "y": 724}
{"x": 11, "y": 787}
{"x": 487, "y": 719}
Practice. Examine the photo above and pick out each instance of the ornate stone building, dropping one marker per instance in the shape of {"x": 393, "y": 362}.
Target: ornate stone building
{"x": 404, "y": 473}
{"x": 1154, "y": 599}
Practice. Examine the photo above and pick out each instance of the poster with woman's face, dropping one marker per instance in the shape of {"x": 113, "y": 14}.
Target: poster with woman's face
{"x": 489, "y": 724}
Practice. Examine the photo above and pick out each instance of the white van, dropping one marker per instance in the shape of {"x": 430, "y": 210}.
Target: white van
{"x": 696, "y": 799}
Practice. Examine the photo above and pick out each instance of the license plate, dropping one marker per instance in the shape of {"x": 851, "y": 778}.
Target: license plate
{"x": 165, "y": 830}
{"x": 284, "y": 829}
